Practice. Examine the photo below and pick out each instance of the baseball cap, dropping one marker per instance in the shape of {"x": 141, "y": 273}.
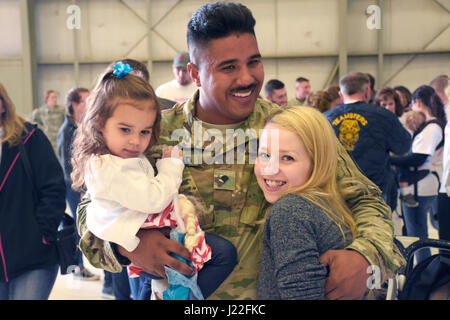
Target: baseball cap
{"x": 181, "y": 60}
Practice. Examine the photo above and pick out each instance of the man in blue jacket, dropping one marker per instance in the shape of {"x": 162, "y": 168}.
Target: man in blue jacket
{"x": 369, "y": 133}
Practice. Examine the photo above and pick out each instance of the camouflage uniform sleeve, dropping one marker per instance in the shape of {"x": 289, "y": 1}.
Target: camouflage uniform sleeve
{"x": 35, "y": 117}
{"x": 98, "y": 252}
{"x": 375, "y": 239}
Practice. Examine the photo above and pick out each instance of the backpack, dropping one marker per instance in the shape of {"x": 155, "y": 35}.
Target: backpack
{"x": 418, "y": 175}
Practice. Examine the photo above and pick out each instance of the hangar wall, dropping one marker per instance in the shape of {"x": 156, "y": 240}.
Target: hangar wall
{"x": 408, "y": 43}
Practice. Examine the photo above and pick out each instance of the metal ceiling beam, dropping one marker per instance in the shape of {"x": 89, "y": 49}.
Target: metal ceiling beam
{"x": 29, "y": 61}
{"x": 343, "y": 31}
{"x": 332, "y": 75}
{"x": 442, "y": 6}
{"x": 380, "y": 44}
{"x": 76, "y": 57}
{"x": 149, "y": 36}
{"x": 301, "y": 55}
{"x": 150, "y": 27}
{"x": 276, "y": 30}
{"x": 411, "y": 59}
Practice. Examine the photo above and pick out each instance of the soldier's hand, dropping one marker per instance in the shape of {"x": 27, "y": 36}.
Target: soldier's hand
{"x": 152, "y": 253}
{"x": 348, "y": 274}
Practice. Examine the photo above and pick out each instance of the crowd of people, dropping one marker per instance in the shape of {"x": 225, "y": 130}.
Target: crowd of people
{"x": 405, "y": 168}
{"x": 304, "y": 220}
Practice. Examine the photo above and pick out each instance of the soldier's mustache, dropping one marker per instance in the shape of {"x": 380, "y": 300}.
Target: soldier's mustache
{"x": 250, "y": 87}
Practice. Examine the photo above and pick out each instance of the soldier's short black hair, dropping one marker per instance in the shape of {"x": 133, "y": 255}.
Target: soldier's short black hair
{"x": 271, "y": 85}
{"x": 218, "y": 20}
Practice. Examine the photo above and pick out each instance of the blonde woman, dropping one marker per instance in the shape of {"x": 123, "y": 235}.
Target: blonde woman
{"x": 29, "y": 215}
{"x": 309, "y": 215}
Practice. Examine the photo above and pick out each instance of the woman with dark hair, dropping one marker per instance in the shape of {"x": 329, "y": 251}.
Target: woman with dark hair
{"x": 31, "y": 207}
{"x": 336, "y": 98}
{"x": 426, "y": 151}
{"x": 389, "y": 99}
{"x": 75, "y": 104}
{"x": 405, "y": 97}
{"x": 320, "y": 100}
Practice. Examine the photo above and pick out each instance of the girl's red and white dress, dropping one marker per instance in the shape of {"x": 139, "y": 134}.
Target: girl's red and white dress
{"x": 127, "y": 196}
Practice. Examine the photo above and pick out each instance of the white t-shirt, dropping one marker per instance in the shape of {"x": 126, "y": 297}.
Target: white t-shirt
{"x": 125, "y": 191}
{"x": 172, "y": 90}
{"x": 425, "y": 143}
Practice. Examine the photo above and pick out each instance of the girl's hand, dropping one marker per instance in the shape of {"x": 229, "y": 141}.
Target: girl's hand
{"x": 172, "y": 152}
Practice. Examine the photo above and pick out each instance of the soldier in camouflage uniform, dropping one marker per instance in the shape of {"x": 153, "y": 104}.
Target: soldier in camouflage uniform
{"x": 228, "y": 199}
{"x": 49, "y": 118}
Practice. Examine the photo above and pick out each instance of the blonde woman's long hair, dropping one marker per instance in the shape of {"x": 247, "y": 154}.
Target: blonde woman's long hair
{"x": 13, "y": 124}
{"x": 100, "y": 105}
{"x": 319, "y": 139}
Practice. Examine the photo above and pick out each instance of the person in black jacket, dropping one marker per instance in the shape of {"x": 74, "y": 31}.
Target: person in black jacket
{"x": 29, "y": 217}
{"x": 75, "y": 105}
{"x": 369, "y": 132}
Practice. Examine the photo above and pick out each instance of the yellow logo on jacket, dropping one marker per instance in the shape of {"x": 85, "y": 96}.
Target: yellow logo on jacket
{"x": 349, "y": 129}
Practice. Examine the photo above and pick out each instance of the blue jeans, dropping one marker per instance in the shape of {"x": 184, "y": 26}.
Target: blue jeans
{"x": 416, "y": 222}
{"x": 73, "y": 199}
{"x": 121, "y": 286}
{"x": 135, "y": 287}
{"x": 32, "y": 285}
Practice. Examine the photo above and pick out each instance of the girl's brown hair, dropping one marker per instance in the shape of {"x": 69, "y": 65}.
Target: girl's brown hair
{"x": 109, "y": 92}
{"x": 12, "y": 123}
{"x": 321, "y": 100}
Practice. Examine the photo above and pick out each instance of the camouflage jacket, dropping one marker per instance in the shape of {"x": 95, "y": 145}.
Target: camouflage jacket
{"x": 230, "y": 203}
{"x": 295, "y": 102}
{"x": 49, "y": 121}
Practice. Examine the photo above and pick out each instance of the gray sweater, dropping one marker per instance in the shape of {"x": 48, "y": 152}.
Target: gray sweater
{"x": 296, "y": 233}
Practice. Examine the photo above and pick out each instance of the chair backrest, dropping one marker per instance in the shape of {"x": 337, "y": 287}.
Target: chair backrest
{"x": 430, "y": 279}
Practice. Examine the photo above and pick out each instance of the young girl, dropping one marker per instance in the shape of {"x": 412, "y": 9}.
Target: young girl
{"x": 309, "y": 216}
{"x": 121, "y": 123}
{"x": 413, "y": 121}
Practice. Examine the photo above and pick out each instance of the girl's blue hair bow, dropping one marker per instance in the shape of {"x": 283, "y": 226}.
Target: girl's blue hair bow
{"x": 121, "y": 69}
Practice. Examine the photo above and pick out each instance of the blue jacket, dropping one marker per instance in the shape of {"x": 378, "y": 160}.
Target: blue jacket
{"x": 369, "y": 132}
